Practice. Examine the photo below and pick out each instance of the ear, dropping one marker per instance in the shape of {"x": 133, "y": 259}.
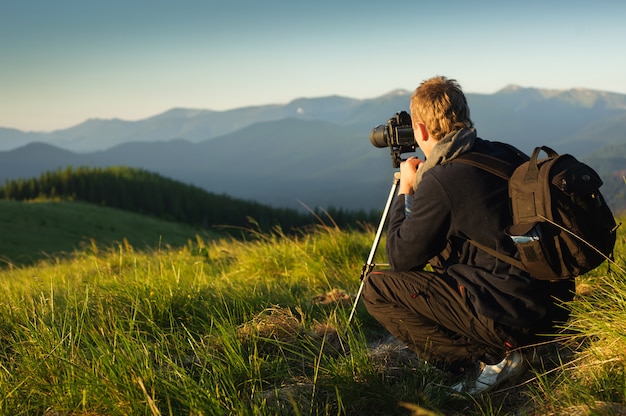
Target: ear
{"x": 420, "y": 129}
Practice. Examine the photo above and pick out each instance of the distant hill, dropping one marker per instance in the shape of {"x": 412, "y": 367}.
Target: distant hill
{"x": 36, "y": 230}
{"x": 153, "y": 195}
{"x": 316, "y": 152}
{"x": 59, "y": 211}
{"x": 289, "y": 163}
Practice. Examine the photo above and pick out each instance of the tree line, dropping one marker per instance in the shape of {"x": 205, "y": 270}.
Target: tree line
{"x": 149, "y": 193}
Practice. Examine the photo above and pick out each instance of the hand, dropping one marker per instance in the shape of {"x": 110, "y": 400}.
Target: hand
{"x": 408, "y": 169}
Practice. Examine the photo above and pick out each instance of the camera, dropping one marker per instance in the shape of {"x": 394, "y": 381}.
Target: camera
{"x": 397, "y": 134}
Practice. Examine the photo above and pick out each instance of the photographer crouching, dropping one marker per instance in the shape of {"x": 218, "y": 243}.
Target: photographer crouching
{"x": 474, "y": 314}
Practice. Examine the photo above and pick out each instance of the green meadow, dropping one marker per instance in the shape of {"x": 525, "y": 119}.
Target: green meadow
{"x": 109, "y": 313}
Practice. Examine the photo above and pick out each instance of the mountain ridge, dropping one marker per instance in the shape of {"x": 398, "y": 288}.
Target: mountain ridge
{"x": 317, "y": 151}
{"x": 202, "y": 124}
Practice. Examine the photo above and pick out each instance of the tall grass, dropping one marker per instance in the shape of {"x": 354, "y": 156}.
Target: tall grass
{"x": 594, "y": 380}
{"x": 257, "y": 327}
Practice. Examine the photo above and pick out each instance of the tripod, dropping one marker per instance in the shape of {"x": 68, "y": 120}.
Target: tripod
{"x": 369, "y": 264}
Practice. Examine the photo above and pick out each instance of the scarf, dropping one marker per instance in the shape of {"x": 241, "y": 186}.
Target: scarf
{"x": 449, "y": 147}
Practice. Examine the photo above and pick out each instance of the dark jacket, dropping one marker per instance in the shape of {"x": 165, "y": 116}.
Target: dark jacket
{"x": 456, "y": 202}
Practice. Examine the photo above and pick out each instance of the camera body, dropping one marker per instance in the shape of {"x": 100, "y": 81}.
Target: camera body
{"x": 397, "y": 134}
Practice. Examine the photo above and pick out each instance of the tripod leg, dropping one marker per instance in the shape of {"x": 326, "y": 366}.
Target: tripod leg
{"x": 369, "y": 265}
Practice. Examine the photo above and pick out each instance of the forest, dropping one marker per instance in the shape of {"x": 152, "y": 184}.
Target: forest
{"x": 151, "y": 194}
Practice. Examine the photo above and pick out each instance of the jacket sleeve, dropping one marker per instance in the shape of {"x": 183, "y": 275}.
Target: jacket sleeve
{"x": 415, "y": 237}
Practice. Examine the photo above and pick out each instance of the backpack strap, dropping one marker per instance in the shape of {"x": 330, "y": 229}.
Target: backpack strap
{"x": 504, "y": 170}
{"x": 488, "y": 163}
{"x": 508, "y": 259}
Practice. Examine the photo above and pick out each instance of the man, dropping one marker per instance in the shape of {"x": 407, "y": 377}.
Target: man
{"x": 473, "y": 313}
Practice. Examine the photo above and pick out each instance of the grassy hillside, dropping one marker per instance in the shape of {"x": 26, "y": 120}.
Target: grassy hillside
{"x": 221, "y": 327}
{"x": 44, "y": 229}
{"x": 148, "y": 193}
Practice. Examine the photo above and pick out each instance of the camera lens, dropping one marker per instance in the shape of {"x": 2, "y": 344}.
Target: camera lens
{"x": 379, "y": 136}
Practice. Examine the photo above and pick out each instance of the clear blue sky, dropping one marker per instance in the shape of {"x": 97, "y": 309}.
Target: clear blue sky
{"x": 62, "y": 62}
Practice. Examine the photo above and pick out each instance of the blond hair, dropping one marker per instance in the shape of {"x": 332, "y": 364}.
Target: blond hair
{"x": 440, "y": 104}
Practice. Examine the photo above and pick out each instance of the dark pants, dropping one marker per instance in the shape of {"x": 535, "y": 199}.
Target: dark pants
{"x": 431, "y": 316}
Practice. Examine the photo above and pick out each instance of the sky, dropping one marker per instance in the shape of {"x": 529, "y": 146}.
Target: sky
{"x": 63, "y": 62}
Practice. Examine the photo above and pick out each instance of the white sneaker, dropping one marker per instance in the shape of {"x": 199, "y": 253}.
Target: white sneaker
{"x": 490, "y": 376}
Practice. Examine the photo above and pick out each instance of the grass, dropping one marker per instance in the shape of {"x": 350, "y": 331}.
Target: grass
{"x": 259, "y": 327}
{"x": 57, "y": 228}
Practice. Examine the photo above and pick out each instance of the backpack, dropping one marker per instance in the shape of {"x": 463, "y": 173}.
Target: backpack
{"x": 561, "y": 224}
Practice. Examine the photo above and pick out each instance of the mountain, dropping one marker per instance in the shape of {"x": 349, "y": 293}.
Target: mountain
{"x": 286, "y": 163}
{"x": 35, "y": 158}
{"x": 14, "y": 138}
{"x": 527, "y": 116}
{"x": 531, "y": 117}
{"x": 190, "y": 124}
{"x": 316, "y": 152}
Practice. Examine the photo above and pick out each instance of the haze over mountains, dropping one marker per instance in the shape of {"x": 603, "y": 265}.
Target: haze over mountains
{"x": 316, "y": 151}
